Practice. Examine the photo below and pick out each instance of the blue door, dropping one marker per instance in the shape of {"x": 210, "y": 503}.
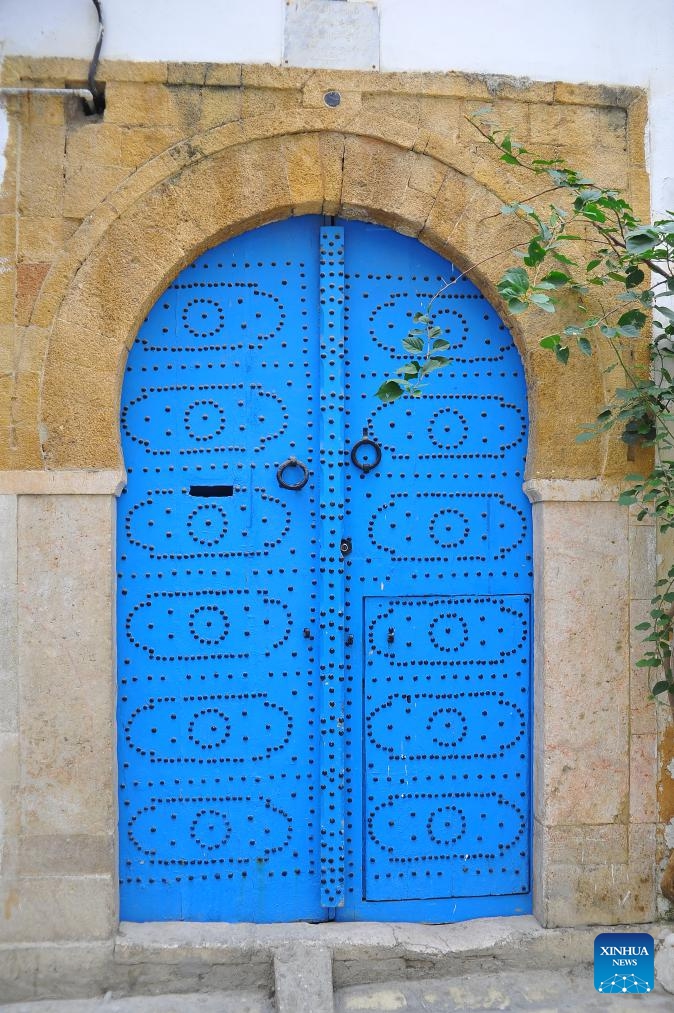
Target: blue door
{"x": 323, "y": 602}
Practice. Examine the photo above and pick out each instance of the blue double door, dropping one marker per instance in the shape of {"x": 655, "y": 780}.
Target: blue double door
{"x": 323, "y": 601}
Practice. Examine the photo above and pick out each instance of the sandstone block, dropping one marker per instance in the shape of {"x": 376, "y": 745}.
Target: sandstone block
{"x": 138, "y": 145}
{"x": 643, "y": 776}
{"x": 642, "y": 560}
{"x": 40, "y": 239}
{"x": 224, "y": 105}
{"x": 67, "y": 700}
{"x": 58, "y": 908}
{"x": 29, "y": 279}
{"x": 92, "y": 142}
{"x": 88, "y": 185}
{"x": 643, "y": 710}
{"x": 605, "y": 894}
{"x": 142, "y": 71}
{"x": 582, "y": 845}
{"x": 582, "y": 676}
{"x": 137, "y": 104}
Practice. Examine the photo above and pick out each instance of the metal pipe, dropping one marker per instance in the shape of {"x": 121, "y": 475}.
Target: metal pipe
{"x": 93, "y": 95}
{"x": 78, "y": 92}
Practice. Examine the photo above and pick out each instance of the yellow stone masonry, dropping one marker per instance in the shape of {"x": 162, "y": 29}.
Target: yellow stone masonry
{"x": 98, "y": 214}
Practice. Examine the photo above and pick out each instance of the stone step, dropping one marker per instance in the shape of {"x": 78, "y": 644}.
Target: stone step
{"x": 212, "y": 1002}
{"x": 299, "y": 963}
{"x": 561, "y": 991}
{"x": 567, "y": 990}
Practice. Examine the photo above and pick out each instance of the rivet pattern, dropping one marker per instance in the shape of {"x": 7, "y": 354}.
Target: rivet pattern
{"x": 331, "y": 645}
{"x": 218, "y": 572}
{"x": 323, "y": 703}
{"x": 439, "y": 594}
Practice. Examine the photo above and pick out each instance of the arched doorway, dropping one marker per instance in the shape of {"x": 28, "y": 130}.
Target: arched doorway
{"x": 323, "y": 658}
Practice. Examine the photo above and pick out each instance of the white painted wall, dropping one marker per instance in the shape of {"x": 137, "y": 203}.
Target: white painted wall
{"x": 221, "y": 31}
{"x": 583, "y": 40}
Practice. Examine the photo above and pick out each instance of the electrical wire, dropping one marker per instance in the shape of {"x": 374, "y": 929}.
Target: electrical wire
{"x": 97, "y": 93}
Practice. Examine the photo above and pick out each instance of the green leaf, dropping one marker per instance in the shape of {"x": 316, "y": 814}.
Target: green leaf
{"x": 509, "y": 159}
{"x": 593, "y": 263}
{"x": 589, "y": 196}
{"x": 437, "y": 362}
{"x": 593, "y": 214}
{"x": 642, "y": 626}
{"x": 633, "y": 319}
{"x": 413, "y": 344}
{"x": 551, "y": 341}
{"x": 535, "y": 254}
{"x": 389, "y": 391}
{"x": 543, "y": 302}
{"x": 557, "y": 279}
{"x": 563, "y": 259}
{"x": 562, "y": 353}
{"x": 585, "y": 346}
{"x": 441, "y": 345}
{"x": 515, "y": 281}
{"x": 661, "y": 687}
{"x": 641, "y": 240}
{"x": 409, "y": 369}
{"x": 648, "y": 663}
{"x": 434, "y": 332}
{"x": 420, "y": 317}
{"x": 635, "y": 276}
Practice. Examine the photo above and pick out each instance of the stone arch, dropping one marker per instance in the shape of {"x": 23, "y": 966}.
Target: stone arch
{"x": 202, "y": 192}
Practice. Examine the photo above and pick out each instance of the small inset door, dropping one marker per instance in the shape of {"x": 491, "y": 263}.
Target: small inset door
{"x": 324, "y": 602}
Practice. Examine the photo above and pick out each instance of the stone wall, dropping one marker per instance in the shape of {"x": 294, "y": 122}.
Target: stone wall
{"x": 96, "y": 217}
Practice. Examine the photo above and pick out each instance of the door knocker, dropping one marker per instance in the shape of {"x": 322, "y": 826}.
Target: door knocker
{"x": 292, "y": 462}
{"x": 366, "y": 441}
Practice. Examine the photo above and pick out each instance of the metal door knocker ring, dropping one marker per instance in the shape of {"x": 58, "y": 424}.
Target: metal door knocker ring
{"x": 366, "y": 465}
{"x": 292, "y": 462}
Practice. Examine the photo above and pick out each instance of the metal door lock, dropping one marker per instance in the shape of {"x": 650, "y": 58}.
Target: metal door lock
{"x": 345, "y": 547}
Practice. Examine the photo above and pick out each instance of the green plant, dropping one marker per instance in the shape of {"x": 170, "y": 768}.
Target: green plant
{"x": 588, "y": 247}
{"x": 425, "y": 346}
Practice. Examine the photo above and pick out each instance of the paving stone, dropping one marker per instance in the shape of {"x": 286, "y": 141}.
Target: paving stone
{"x": 213, "y": 1002}
{"x": 526, "y": 991}
{"x": 303, "y": 980}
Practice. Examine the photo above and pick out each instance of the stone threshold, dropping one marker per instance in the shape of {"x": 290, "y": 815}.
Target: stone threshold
{"x": 300, "y": 964}
{"x": 364, "y": 952}
{"x": 310, "y": 962}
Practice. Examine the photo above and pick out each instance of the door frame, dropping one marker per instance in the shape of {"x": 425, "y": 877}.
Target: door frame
{"x": 93, "y": 301}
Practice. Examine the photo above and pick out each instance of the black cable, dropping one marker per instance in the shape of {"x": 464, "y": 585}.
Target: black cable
{"x": 96, "y": 91}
